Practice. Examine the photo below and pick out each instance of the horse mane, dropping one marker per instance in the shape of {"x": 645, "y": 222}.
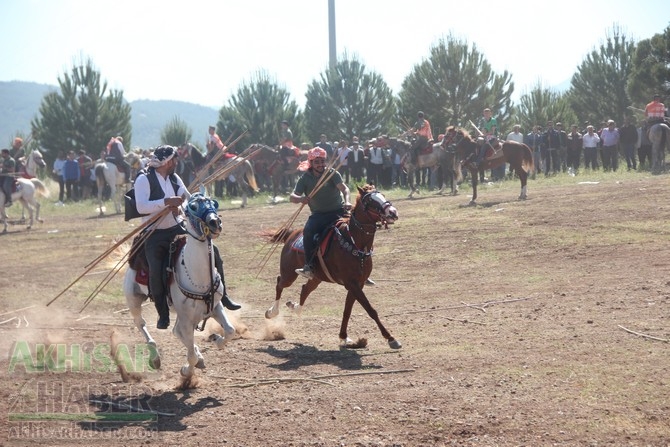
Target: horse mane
{"x": 197, "y": 157}
{"x": 460, "y": 130}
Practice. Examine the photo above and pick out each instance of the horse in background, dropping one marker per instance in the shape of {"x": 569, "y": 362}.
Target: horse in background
{"x": 518, "y": 155}
{"x": 659, "y": 135}
{"x": 108, "y": 173}
{"x": 243, "y": 173}
{"x": 195, "y": 286}
{"x": 32, "y": 163}
{"x": 347, "y": 260}
{"x": 440, "y": 156}
{"x": 279, "y": 168}
{"x": 25, "y": 193}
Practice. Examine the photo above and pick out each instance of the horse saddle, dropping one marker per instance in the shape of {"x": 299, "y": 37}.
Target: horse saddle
{"x": 323, "y": 240}
{"x": 138, "y": 259}
{"x": 491, "y": 152}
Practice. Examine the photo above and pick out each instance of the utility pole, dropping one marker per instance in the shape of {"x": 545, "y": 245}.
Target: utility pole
{"x": 331, "y": 34}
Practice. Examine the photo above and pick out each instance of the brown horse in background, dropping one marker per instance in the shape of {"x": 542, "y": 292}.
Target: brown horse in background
{"x": 439, "y": 156}
{"x": 346, "y": 261}
{"x": 277, "y": 169}
{"x": 518, "y": 155}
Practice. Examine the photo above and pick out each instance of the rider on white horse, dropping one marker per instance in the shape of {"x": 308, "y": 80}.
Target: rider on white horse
{"x": 116, "y": 154}
{"x": 7, "y": 170}
{"x": 155, "y": 189}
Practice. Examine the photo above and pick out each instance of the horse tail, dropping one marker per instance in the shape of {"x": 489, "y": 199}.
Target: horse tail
{"x": 456, "y": 168}
{"x": 250, "y": 176}
{"x": 278, "y": 236}
{"x": 40, "y": 187}
{"x": 527, "y": 163}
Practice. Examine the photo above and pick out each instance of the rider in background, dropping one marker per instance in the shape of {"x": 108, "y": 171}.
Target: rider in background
{"x": 654, "y": 111}
{"x": 489, "y": 128}
{"x": 422, "y": 128}
{"x": 327, "y": 205}
{"x": 116, "y": 155}
{"x": 7, "y": 169}
{"x": 18, "y": 153}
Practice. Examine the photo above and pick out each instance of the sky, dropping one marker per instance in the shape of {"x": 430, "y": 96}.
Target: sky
{"x": 203, "y": 51}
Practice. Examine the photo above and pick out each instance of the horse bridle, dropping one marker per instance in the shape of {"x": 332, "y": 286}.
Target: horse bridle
{"x": 378, "y": 214}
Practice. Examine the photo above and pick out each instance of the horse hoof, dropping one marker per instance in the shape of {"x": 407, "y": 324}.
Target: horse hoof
{"x": 271, "y": 312}
{"x": 293, "y": 306}
{"x": 395, "y": 344}
{"x": 201, "y": 363}
{"x": 186, "y": 372}
{"x": 28, "y": 227}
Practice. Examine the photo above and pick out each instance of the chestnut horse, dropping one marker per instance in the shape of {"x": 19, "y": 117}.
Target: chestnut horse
{"x": 277, "y": 169}
{"x": 518, "y": 155}
{"x": 439, "y": 157}
{"x": 347, "y": 261}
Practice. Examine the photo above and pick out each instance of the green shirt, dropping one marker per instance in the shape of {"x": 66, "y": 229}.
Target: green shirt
{"x": 328, "y": 198}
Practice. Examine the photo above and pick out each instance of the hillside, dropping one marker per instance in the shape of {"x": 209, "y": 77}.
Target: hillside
{"x": 20, "y": 102}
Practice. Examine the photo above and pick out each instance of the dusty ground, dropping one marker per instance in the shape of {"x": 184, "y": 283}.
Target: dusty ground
{"x": 511, "y": 315}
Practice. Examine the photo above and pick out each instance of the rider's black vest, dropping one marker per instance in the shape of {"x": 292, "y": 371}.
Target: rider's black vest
{"x": 155, "y": 190}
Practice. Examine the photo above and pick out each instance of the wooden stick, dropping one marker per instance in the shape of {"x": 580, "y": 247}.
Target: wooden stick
{"x": 317, "y": 379}
{"x": 644, "y": 335}
{"x": 17, "y": 310}
{"x": 488, "y": 303}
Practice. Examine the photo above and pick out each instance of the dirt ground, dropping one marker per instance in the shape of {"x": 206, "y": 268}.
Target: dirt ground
{"x": 524, "y": 323}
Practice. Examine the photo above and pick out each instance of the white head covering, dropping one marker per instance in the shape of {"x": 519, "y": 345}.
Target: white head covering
{"x": 162, "y": 155}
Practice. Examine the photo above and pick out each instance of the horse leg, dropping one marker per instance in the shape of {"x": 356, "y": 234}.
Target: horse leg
{"x": 283, "y": 281}
{"x": 355, "y": 293}
{"x": 134, "y": 300}
{"x": 101, "y": 190}
{"x": 305, "y": 290}
{"x": 228, "y": 329}
{"x": 37, "y": 212}
{"x": 413, "y": 188}
{"x": 3, "y": 216}
{"x": 523, "y": 176}
{"x": 474, "y": 173}
{"x": 183, "y": 330}
{"x": 27, "y": 204}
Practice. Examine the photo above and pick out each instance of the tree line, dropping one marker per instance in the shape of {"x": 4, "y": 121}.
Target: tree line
{"x": 451, "y": 86}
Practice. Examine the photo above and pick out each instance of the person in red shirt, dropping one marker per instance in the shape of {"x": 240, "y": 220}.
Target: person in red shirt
{"x": 654, "y": 111}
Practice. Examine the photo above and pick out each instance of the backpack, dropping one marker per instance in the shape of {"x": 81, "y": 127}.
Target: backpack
{"x": 155, "y": 192}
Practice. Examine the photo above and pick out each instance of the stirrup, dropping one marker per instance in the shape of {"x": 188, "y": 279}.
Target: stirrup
{"x": 305, "y": 272}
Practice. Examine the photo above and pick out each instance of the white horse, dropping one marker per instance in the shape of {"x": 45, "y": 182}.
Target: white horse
{"x": 196, "y": 288}
{"x": 659, "y": 135}
{"x": 32, "y": 163}
{"x": 25, "y": 194}
{"x": 107, "y": 172}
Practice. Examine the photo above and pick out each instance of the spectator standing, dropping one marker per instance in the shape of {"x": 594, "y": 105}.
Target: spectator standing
{"x": 573, "y": 150}
{"x": 610, "y": 140}
{"x": 325, "y": 145}
{"x": 59, "y": 164}
{"x": 590, "y": 140}
{"x": 628, "y": 140}
{"x": 551, "y": 144}
{"x": 343, "y": 155}
{"x": 375, "y": 163}
{"x": 356, "y": 160}
{"x": 644, "y": 151}
{"x": 562, "y": 147}
{"x": 85, "y": 164}
{"x": 534, "y": 141}
{"x": 71, "y": 175}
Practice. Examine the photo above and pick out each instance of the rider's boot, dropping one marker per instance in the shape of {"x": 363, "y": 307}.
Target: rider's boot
{"x": 163, "y": 313}
{"x": 225, "y": 299}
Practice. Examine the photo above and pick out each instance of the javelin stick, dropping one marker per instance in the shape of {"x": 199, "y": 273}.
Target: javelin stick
{"x": 481, "y": 134}
{"x": 636, "y": 109}
{"x": 202, "y": 172}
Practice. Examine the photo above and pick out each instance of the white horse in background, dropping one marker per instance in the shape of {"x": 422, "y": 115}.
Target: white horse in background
{"x": 196, "y": 287}
{"x": 25, "y": 194}
{"x": 107, "y": 172}
{"x": 659, "y": 135}
{"x": 32, "y": 162}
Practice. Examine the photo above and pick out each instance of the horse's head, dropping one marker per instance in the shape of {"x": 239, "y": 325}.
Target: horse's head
{"x": 36, "y": 157}
{"x": 202, "y": 215}
{"x": 375, "y": 205}
{"x": 458, "y": 140}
